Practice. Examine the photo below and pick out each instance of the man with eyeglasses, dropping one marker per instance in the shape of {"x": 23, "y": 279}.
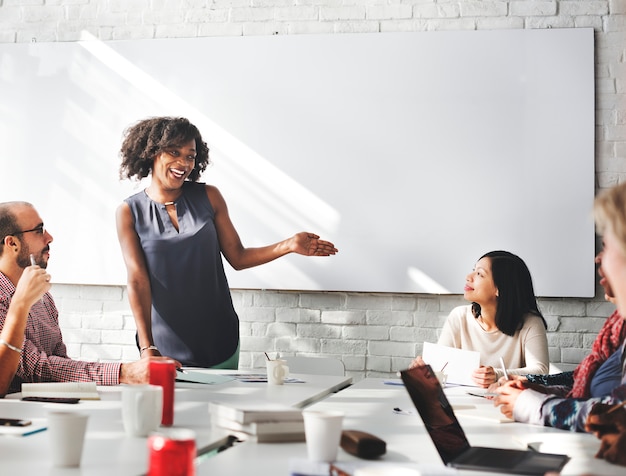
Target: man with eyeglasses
{"x": 36, "y": 352}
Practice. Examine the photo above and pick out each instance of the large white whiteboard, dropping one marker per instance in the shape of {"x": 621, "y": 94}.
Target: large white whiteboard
{"x": 414, "y": 152}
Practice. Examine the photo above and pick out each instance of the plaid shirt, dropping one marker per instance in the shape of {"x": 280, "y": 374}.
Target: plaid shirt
{"x": 44, "y": 356}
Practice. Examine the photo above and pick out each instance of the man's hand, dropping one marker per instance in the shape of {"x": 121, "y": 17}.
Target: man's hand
{"x": 139, "y": 371}
{"x": 31, "y": 287}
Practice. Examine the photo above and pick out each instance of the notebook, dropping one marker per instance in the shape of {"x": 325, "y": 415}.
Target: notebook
{"x": 451, "y": 442}
{"x": 458, "y": 363}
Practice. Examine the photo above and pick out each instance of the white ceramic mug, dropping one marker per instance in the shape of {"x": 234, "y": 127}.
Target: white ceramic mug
{"x": 66, "y": 431}
{"x": 277, "y": 371}
{"x": 323, "y": 434}
{"x": 142, "y": 406}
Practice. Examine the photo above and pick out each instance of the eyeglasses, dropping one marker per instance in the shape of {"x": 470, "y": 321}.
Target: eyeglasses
{"x": 39, "y": 229}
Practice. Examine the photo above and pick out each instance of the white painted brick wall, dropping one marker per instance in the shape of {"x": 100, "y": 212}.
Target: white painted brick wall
{"x": 374, "y": 334}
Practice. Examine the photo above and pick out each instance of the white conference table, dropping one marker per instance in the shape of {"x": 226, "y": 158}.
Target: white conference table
{"x": 369, "y": 406}
{"x": 108, "y": 451}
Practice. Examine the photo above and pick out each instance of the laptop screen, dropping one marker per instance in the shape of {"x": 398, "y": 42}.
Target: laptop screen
{"x": 436, "y": 412}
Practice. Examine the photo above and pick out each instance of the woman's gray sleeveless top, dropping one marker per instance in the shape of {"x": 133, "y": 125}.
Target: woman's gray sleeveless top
{"x": 193, "y": 319}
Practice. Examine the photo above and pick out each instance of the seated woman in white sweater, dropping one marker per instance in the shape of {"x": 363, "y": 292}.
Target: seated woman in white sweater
{"x": 503, "y": 320}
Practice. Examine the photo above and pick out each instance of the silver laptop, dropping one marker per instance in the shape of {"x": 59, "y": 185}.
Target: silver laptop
{"x": 451, "y": 442}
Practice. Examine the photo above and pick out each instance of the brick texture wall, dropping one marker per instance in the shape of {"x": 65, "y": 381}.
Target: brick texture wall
{"x": 374, "y": 334}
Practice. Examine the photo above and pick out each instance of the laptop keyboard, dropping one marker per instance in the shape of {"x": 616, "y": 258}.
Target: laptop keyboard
{"x": 491, "y": 457}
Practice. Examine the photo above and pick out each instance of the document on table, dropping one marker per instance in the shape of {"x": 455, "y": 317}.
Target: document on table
{"x": 305, "y": 467}
{"x": 482, "y": 412}
{"x": 201, "y": 377}
{"x": 459, "y": 363}
{"x": 262, "y": 378}
{"x": 580, "y": 445}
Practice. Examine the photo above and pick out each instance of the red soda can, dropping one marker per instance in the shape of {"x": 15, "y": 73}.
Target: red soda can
{"x": 163, "y": 373}
{"x": 172, "y": 452}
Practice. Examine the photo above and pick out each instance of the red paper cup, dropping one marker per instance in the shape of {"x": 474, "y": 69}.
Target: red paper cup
{"x": 163, "y": 373}
{"x": 172, "y": 453}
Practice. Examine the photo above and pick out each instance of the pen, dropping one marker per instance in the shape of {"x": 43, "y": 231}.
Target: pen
{"x": 178, "y": 369}
{"x": 506, "y": 375}
{"x": 482, "y": 395}
{"x": 619, "y": 405}
{"x": 32, "y": 432}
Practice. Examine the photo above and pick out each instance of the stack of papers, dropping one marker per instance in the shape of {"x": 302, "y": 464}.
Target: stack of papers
{"x": 265, "y": 423}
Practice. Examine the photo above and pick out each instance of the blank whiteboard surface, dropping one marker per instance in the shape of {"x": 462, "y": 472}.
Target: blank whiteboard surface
{"x": 415, "y": 153}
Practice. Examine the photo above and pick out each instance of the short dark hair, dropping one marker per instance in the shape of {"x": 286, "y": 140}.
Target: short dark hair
{"x": 145, "y": 139}
{"x": 516, "y": 296}
{"x": 8, "y": 221}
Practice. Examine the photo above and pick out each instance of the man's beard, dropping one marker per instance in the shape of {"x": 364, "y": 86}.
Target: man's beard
{"x": 23, "y": 259}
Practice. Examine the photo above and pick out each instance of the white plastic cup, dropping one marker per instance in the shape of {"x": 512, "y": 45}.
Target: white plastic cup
{"x": 66, "y": 432}
{"x": 142, "y": 407}
{"x": 277, "y": 371}
{"x": 323, "y": 434}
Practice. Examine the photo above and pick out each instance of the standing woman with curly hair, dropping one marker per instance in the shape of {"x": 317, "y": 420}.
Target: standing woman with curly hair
{"x": 173, "y": 235}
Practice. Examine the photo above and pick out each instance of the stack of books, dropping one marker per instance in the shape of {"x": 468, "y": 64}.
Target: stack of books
{"x": 264, "y": 423}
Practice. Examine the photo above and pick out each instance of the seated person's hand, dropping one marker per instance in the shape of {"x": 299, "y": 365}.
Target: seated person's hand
{"x": 484, "y": 376}
{"x": 601, "y": 422}
{"x": 507, "y": 396}
{"x": 417, "y": 362}
{"x": 504, "y": 381}
{"x": 613, "y": 448}
{"x": 139, "y": 371}
{"x": 32, "y": 285}
{"x": 610, "y": 427}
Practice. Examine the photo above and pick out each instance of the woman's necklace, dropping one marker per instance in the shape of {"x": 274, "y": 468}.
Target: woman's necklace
{"x": 169, "y": 203}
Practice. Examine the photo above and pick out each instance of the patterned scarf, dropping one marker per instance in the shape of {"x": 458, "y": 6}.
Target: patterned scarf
{"x": 609, "y": 339}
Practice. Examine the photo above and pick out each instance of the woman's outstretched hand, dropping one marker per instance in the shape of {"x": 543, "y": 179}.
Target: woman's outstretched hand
{"x": 309, "y": 244}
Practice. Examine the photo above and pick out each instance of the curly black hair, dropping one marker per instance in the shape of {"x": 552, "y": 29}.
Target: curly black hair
{"x": 145, "y": 139}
